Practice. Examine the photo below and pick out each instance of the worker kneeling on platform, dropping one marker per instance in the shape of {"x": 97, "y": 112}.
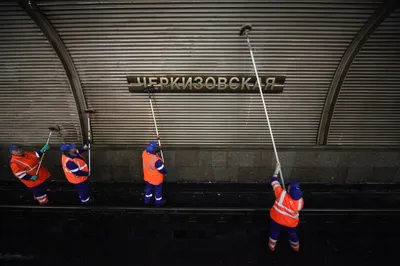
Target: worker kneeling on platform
{"x": 76, "y": 170}
{"x": 24, "y": 166}
{"x": 154, "y": 171}
{"x": 285, "y": 212}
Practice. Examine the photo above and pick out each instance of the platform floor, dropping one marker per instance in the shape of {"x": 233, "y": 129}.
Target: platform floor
{"x": 202, "y": 225}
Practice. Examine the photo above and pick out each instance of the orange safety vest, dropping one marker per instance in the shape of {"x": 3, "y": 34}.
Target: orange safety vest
{"x": 151, "y": 174}
{"x": 285, "y": 210}
{"x": 71, "y": 177}
{"x": 27, "y": 164}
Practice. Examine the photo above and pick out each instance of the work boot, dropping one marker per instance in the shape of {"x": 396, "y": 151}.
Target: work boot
{"x": 49, "y": 202}
{"x": 295, "y": 246}
{"x": 161, "y": 203}
{"x": 149, "y": 202}
{"x": 46, "y": 202}
{"x": 92, "y": 200}
{"x": 272, "y": 244}
{"x": 89, "y": 202}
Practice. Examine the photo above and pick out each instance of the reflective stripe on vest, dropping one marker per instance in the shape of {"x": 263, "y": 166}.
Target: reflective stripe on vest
{"x": 150, "y": 171}
{"x": 71, "y": 175}
{"x": 80, "y": 168}
{"x": 152, "y": 163}
{"x": 27, "y": 165}
{"x": 278, "y": 206}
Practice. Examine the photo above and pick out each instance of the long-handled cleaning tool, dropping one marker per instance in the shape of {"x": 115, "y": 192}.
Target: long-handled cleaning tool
{"x": 90, "y": 113}
{"x": 51, "y": 130}
{"x": 150, "y": 90}
{"x": 245, "y": 31}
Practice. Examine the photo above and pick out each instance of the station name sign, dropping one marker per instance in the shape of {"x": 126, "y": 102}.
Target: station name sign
{"x": 201, "y": 84}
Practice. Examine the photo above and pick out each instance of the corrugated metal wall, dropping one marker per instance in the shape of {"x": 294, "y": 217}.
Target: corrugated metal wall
{"x": 302, "y": 40}
{"x": 34, "y": 90}
{"x": 368, "y": 108}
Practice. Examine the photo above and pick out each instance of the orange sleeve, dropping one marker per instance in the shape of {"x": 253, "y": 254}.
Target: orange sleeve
{"x": 278, "y": 191}
{"x": 34, "y": 154}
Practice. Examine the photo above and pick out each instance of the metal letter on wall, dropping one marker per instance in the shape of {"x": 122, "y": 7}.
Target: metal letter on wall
{"x": 44, "y": 25}
{"x": 226, "y": 84}
{"x": 359, "y": 40}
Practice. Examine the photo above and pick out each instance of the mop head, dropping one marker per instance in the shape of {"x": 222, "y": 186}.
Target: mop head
{"x": 245, "y": 28}
{"x": 149, "y": 89}
{"x": 89, "y": 111}
{"x": 55, "y": 128}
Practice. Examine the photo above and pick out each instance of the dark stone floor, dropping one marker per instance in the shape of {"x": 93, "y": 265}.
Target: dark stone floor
{"x": 203, "y": 224}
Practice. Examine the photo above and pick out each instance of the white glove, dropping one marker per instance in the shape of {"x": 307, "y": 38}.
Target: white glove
{"x": 277, "y": 169}
{"x": 85, "y": 147}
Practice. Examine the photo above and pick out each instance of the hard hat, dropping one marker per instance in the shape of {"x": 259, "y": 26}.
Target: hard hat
{"x": 295, "y": 191}
{"x": 67, "y": 147}
{"x": 151, "y": 147}
{"x": 13, "y": 147}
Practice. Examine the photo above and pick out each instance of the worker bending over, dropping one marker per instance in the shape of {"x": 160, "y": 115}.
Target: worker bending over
{"x": 285, "y": 212}
{"x": 24, "y": 166}
{"x": 76, "y": 170}
{"x": 154, "y": 171}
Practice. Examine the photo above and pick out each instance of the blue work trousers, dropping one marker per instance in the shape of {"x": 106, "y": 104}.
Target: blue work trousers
{"x": 39, "y": 194}
{"x": 84, "y": 191}
{"x": 275, "y": 230}
{"x": 157, "y": 190}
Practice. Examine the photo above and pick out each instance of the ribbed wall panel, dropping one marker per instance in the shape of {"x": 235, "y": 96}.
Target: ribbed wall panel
{"x": 368, "y": 108}
{"x": 34, "y": 90}
{"x": 302, "y": 40}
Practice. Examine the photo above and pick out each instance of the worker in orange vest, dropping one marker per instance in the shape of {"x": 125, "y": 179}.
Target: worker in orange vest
{"x": 285, "y": 212}
{"x": 76, "y": 170}
{"x": 154, "y": 171}
{"x": 24, "y": 166}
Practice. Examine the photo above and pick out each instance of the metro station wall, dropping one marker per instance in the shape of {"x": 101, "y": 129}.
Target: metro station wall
{"x": 303, "y": 41}
{"x": 34, "y": 89}
{"x": 242, "y": 166}
{"x": 207, "y": 137}
{"x": 368, "y": 108}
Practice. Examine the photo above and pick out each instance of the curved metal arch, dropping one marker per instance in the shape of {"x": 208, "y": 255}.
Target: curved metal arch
{"x": 72, "y": 74}
{"x": 354, "y": 48}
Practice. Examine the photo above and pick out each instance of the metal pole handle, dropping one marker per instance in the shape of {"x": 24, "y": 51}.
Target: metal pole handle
{"x": 41, "y": 158}
{"x": 265, "y": 107}
{"x": 155, "y": 124}
{"x": 89, "y": 140}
